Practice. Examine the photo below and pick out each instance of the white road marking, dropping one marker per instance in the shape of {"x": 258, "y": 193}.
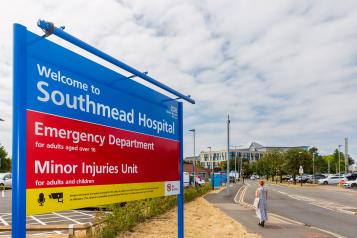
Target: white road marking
{"x": 2, "y": 193}
{"x": 322, "y": 203}
{"x": 90, "y": 215}
{"x": 235, "y": 197}
{"x": 38, "y": 220}
{"x": 56, "y": 221}
{"x": 3, "y": 221}
{"x": 42, "y": 223}
{"x": 328, "y": 232}
{"x": 284, "y": 193}
{"x": 67, "y": 218}
{"x": 285, "y": 219}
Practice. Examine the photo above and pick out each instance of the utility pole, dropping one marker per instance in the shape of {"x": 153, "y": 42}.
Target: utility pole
{"x": 241, "y": 168}
{"x": 228, "y": 178}
{"x": 1, "y": 158}
{"x": 235, "y": 163}
{"x": 194, "y": 156}
{"x": 313, "y": 165}
{"x": 328, "y": 166}
{"x": 339, "y": 160}
{"x": 346, "y": 155}
{"x": 210, "y": 158}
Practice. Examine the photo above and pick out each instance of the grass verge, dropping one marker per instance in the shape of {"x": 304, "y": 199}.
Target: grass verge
{"x": 124, "y": 218}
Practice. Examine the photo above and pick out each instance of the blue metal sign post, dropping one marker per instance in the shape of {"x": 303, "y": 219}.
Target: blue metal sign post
{"x": 19, "y": 133}
{"x": 180, "y": 197}
{"x": 45, "y": 97}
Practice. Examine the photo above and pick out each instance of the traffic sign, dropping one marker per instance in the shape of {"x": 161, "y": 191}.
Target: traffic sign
{"x": 301, "y": 170}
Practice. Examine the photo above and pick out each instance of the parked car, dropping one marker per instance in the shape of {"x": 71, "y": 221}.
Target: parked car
{"x": 254, "y": 176}
{"x": 334, "y": 179}
{"x": 5, "y": 180}
{"x": 351, "y": 177}
{"x": 199, "y": 180}
{"x": 315, "y": 178}
{"x": 233, "y": 176}
{"x": 287, "y": 177}
{"x": 303, "y": 178}
{"x": 350, "y": 184}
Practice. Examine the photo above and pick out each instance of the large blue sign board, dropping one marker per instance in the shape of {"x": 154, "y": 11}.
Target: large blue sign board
{"x": 69, "y": 107}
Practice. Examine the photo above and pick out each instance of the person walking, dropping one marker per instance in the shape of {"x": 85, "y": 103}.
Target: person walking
{"x": 261, "y": 196}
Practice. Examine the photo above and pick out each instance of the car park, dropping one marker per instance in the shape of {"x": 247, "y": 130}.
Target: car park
{"x": 5, "y": 180}
{"x": 334, "y": 179}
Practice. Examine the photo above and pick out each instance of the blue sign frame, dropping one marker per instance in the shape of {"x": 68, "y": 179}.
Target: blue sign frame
{"x": 19, "y": 120}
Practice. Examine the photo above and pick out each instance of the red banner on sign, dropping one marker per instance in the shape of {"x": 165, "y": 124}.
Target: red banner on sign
{"x": 66, "y": 152}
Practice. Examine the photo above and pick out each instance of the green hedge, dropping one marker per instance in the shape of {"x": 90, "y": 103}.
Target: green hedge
{"x": 124, "y": 218}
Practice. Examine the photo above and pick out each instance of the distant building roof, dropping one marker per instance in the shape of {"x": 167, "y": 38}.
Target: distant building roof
{"x": 190, "y": 158}
{"x": 189, "y": 168}
{"x": 255, "y": 145}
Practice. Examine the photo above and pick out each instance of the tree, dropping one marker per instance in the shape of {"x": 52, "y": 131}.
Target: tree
{"x": 247, "y": 169}
{"x": 271, "y": 164}
{"x": 5, "y": 160}
{"x": 296, "y": 157}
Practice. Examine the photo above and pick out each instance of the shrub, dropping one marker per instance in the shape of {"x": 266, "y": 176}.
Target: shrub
{"x": 124, "y": 218}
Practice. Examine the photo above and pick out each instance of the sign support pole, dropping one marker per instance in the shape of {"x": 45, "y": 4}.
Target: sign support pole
{"x": 19, "y": 132}
{"x": 180, "y": 197}
{"x": 228, "y": 153}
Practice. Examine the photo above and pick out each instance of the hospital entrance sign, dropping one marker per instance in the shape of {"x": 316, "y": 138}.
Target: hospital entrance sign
{"x": 92, "y": 136}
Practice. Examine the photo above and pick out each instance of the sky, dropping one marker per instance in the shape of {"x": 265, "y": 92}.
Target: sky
{"x": 285, "y": 71}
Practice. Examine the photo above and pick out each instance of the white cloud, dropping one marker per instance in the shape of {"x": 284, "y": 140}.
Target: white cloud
{"x": 284, "y": 70}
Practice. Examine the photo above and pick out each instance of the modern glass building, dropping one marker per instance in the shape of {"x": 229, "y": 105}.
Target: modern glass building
{"x": 254, "y": 152}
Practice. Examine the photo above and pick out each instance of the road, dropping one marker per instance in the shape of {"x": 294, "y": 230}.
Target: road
{"x": 324, "y": 207}
{"x": 314, "y": 211}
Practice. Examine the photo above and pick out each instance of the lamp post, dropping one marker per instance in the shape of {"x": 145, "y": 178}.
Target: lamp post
{"x": 228, "y": 153}
{"x": 194, "y": 156}
{"x": 241, "y": 168}
{"x": 313, "y": 166}
{"x": 210, "y": 159}
{"x": 300, "y": 172}
{"x": 339, "y": 160}
{"x": 235, "y": 163}
{"x": 0, "y": 158}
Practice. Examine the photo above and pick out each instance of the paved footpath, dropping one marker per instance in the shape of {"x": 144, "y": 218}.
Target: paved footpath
{"x": 234, "y": 206}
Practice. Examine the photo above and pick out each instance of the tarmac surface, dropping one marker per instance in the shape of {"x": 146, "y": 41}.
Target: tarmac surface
{"x": 312, "y": 211}
{"x": 69, "y": 217}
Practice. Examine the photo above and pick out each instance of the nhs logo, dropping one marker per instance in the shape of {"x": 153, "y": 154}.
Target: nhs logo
{"x": 172, "y": 110}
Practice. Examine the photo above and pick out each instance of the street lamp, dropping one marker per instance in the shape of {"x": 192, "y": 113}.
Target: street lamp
{"x": 228, "y": 153}
{"x": 210, "y": 158}
{"x": 0, "y": 158}
{"x": 235, "y": 161}
{"x": 300, "y": 168}
{"x": 313, "y": 166}
{"x": 339, "y": 160}
{"x": 194, "y": 156}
